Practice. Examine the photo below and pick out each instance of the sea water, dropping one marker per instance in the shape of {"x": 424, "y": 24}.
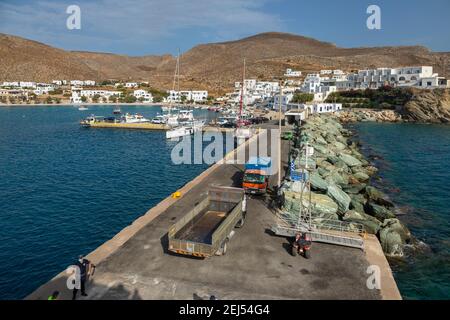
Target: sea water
{"x": 65, "y": 189}
{"x": 414, "y": 163}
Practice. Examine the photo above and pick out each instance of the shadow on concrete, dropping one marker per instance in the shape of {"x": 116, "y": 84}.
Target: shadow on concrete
{"x": 94, "y": 290}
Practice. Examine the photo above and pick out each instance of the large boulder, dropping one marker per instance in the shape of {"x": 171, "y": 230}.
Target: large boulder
{"x": 349, "y": 160}
{"x": 340, "y": 197}
{"x": 370, "y": 224}
{"x": 378, "y": 197}
{"x": 361, "y": 176}
{"x": 323, "y": 206}
{"x": 354, "y": 188}
{"x": 379, "y": 212}
{"x": 337, "y": 178}
{"x": 317, "y": 183}
{"x": 357, "y": 203}
{"x": 393, "y": 236}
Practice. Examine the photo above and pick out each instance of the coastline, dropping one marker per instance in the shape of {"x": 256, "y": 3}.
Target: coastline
{"x": 156, "y": 104}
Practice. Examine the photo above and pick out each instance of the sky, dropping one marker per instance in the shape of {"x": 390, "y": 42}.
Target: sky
{"x": 143, "y": 27}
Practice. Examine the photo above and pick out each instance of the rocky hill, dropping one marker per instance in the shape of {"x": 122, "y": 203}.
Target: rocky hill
{"x": 431, "y": 106}
{"x": 214, "y": 66}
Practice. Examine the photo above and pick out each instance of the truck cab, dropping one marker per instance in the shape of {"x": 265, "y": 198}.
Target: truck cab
{"x": 256, "y": 175}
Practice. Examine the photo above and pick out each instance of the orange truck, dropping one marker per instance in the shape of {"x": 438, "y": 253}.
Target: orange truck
{"x": 256, "y": 175}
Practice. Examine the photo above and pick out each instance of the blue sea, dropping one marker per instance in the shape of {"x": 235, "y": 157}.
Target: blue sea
{"x": 65, "y": 189}
{"x": 414, "y": 163}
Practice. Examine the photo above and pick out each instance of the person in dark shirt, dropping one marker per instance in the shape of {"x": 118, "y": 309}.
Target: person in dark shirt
{"x": 84, "y": 266}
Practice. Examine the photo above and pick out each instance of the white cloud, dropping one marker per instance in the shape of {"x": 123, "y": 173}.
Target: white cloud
{"x": 136, "y": 24}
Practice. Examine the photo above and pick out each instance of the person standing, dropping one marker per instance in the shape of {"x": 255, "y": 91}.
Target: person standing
{"x": 84, "y": 266}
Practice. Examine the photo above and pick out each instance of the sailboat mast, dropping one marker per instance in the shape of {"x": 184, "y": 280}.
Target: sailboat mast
{"x": 242, "y": 97}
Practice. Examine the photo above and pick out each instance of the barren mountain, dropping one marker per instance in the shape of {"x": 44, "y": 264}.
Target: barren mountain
{"x": 214, "y": 66}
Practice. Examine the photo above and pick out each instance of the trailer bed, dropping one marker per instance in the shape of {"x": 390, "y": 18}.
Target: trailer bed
{"x": 202, "y": 230}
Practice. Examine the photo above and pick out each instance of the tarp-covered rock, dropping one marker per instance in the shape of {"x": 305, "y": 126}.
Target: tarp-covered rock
{"x": 317, "y": 183}
{"x": 340, "y": 197}
{"x": 378, "y": 197}
{"x": 393, "y": 236}
{"x": 350, "y": 160}
{"x": 379, "y": 212}
{"x": 371, "y": 224}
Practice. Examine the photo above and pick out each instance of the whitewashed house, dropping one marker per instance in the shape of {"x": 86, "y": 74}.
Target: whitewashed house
{"x": 146, "y": 96}
{"x": 76, "y": 83}
{"x": 27, "y": 84}
{"x": 89, "y": 83}
{"x": 292, "y": 73}
{"x": 131, "y": 85}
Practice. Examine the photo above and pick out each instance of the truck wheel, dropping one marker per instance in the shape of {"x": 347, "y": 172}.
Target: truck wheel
{"x": 241, "y": 222}
{"x": 224, "y": 247}
{"x": 307, "y": 254}
{"x": 293, "y": 251}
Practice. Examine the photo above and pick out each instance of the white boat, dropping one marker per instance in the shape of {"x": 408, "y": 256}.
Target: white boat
{"x": 185, "y": 116}
{"x": 83, "y": 108}
{"x": 179, "y": 132}
{"x": 169, "y": 109}
{"x": 117, "y": 110}
{"x": 134, "y": 118}
{"x": 185, "y": 130}
{"x": 159, "y": 119}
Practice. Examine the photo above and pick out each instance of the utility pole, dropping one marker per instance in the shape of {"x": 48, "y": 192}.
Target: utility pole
{"x": 279, "y": 142}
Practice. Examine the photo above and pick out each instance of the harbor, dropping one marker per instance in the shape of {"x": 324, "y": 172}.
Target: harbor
{"x": 136, "y": 263}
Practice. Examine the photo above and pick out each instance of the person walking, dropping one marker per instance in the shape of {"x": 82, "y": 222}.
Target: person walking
{"x": 84, "y": 267}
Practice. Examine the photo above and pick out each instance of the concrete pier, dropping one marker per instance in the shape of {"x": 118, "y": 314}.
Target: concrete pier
{"x": 148, "y": 126}
{"x": 135, "y": 264}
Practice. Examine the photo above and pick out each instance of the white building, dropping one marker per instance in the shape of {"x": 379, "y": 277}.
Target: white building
{"x": 77, "y": 93}
{"x": 421, "y": 77}
{"x": 59, "y": 82}
{"x": 146, "y": 96}
{"x": 254, "y": 91}
{"x": 43, "y": 89}
{"x": 27, "y": 84}
{"x": 131, "y": 85}
{"x": 196, "y": 96}
{"x": 292, "y": 73}
{"x": 76, "y": 82}
{"x": 89, "y": 83}
{"x": 10, "y": 84}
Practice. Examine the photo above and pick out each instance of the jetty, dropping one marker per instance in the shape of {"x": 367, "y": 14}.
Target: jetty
{"x": 146, "y": 126}
{"x": 136, "y": 263}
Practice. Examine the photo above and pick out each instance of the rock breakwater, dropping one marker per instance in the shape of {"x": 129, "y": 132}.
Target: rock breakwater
{"x": 340, "y": 184}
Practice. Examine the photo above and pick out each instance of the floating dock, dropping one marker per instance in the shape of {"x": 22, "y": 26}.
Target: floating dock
{"x": 136, "y": 263}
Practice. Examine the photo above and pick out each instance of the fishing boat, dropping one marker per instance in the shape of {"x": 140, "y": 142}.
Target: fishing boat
{"x": 83, "y": 108}
{"x": 179, "y": 132}
{"x": 185, "y": 130}
{"x": 185, "y": 116}
{"x": 134, "y": 118}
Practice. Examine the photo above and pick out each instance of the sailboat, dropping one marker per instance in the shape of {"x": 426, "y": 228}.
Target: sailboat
{"x": 183, "y": 123}
{"x": 241, "y": 133}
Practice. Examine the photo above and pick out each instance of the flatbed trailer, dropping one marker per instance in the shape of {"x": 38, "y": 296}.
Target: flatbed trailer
{"x": 206, "y": 229}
